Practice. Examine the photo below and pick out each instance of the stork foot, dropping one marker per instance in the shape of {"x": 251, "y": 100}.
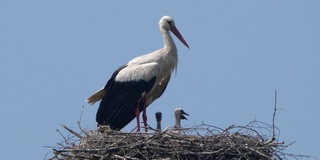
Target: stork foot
{"x": 146, "y": 128}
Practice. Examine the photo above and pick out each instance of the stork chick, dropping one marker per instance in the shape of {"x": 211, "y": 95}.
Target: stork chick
{"x": 179, "y": 115}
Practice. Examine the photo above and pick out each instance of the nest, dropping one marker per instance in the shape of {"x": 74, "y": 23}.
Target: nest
{"x": 253, "y": 141}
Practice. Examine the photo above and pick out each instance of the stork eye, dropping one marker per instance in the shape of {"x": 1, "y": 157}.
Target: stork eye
{"x": 169, "y": 23}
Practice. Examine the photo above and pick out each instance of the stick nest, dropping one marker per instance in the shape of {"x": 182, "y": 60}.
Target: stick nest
{"x": 198, "y": 142}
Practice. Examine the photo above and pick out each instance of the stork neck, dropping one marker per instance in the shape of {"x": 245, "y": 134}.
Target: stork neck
{"x": 178, "y": 123}
{"x": 168, "y": 41}
{"x": 158, "y": 125}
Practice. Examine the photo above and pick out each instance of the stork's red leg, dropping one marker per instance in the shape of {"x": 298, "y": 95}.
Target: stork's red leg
{"x": 138, "y": 116}
{"x": 144, "y": 114}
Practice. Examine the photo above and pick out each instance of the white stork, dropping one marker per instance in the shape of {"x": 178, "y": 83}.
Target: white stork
{"x": 135, "y": 85}
{"x": 179, "y": 115}
{"x": 158, "y": 119}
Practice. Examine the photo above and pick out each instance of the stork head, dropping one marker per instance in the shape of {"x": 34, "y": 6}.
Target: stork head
{"x": 158, "y": 116}
{"x": 167, "y": 23}
{"x": 180, "y": 114}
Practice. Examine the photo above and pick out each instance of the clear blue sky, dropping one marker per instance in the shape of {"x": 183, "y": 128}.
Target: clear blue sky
{"x": 54, "y": 54}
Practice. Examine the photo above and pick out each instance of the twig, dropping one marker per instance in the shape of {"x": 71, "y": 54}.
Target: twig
{"x": 274, "y": 115}
{"x": 65, "y": 139}
{"x": 71, "y": 131}
{"x": 80, "y": 117}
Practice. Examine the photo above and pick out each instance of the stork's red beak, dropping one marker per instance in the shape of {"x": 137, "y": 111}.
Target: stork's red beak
{"x": 175, "y": 31}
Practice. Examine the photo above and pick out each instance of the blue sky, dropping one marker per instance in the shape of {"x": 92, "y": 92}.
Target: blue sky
{"x": 54, "y": 54}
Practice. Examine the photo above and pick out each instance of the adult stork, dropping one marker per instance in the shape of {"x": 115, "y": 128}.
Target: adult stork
{"x": 135, "y": 85}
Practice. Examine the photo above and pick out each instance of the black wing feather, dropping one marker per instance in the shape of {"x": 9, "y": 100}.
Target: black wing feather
{"x": 117, "y": 107}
